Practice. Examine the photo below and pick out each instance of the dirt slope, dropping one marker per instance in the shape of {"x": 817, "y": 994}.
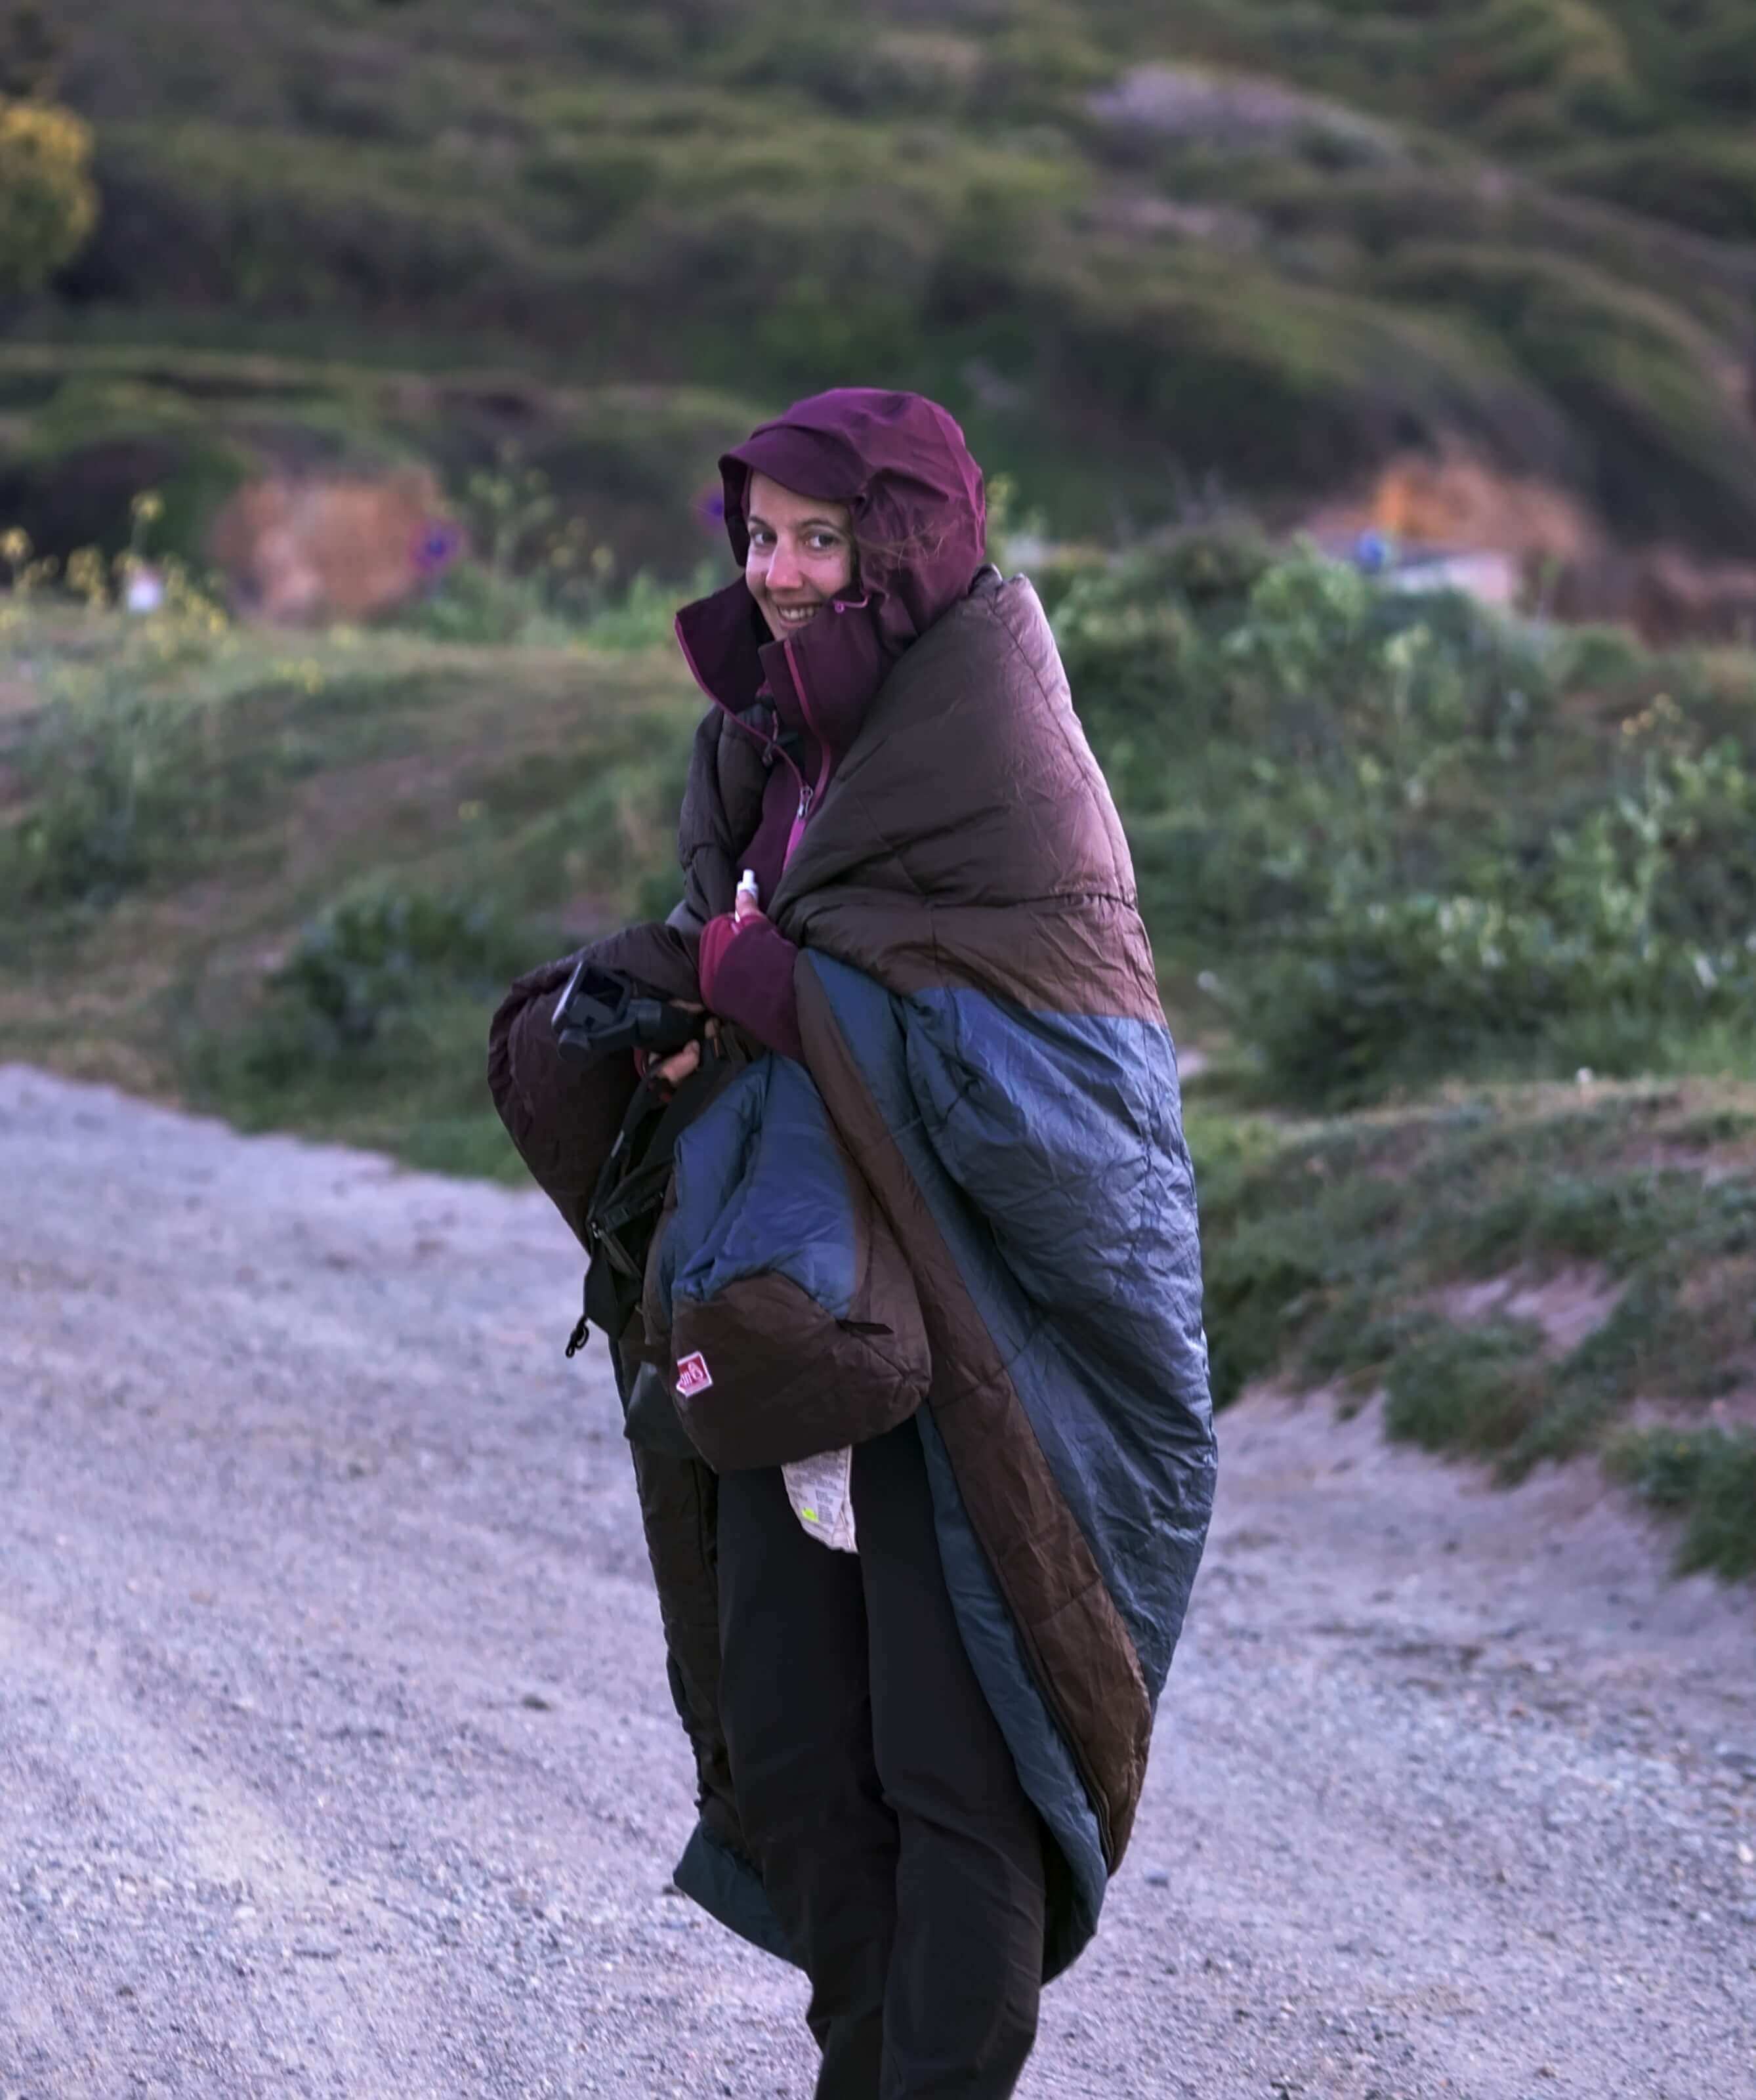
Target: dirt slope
{"x": 335, "y": 1756}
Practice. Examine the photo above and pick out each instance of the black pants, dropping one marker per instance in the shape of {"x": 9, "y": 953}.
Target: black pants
{"x": 898, "y": 1849}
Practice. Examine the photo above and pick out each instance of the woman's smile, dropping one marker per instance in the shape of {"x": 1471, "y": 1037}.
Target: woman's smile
{"x": 798, "y": 543}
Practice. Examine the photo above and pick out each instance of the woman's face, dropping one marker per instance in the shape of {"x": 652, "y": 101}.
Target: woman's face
{"x": 802, "y": 553}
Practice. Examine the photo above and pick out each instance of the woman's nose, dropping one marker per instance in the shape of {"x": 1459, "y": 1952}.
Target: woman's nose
{"x": 783, "y": 569}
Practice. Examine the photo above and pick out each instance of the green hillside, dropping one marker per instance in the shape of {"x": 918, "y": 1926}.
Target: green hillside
{"x": 1458, "y": 915}
{"x": 1265, "y": 242}
{"x": 1456, "y": 912}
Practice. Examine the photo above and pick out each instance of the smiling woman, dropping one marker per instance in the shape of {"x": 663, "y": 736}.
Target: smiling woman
{"x": 801, "y": 554}
{"x": 916, "y": 1382}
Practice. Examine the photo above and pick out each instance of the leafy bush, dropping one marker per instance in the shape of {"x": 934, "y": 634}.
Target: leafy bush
{"x": 48, "y": 201}
{"x": 538, "y": 581}
{"x": 1708, "y": 1478}
{"x": 1365, "y": 818}
{"x": 379, "y": 951}
{"x": 1608, "y": 927}
{"x": 1335, "y": 1253}
{"x": 373, "y": 1025}
{"x": 1474, "y": 1388}
{"x": 118, "y": 779}
{"x": 1624, "y": 922}
{"x": 539, "y": 611}
{"x": 118, "y": 788}
{"x": 1701, "y": 180}
{"x": 644, "y": 616}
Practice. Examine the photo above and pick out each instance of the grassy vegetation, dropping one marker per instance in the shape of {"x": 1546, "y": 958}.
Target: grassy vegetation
{"x": 1514, "y": 1269}
{"x": 1526, "y": 224}
{"x": 1463, "y": 913}
{"x": 92, "y": 423}
{"x": 1707, "y": 1477}
{"x": 1422, "y": 885}
{"x": 1393, "y": 840}
{"x": 287, "y": 881}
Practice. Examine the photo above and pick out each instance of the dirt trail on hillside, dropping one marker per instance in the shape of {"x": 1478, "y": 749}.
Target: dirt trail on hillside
{"x": 335, "y": 1756}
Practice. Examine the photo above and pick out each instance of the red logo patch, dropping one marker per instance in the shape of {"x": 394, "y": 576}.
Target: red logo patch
{"x": 693, "y": 1375}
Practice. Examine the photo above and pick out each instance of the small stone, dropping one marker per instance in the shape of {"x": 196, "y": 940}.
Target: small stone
{"x": 537, "y": 1703}
{"x": 317, "y": 1946}
{"x": 1157, "y": 1877}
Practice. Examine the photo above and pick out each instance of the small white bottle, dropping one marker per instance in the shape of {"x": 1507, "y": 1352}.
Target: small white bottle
{"x": 749, "y": 894}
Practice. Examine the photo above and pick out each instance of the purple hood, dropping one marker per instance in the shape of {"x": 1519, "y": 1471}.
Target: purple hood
{"x": 899, "y": 463}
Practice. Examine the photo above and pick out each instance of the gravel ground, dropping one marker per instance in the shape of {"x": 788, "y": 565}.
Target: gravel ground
{"x": 335, "y": 1756}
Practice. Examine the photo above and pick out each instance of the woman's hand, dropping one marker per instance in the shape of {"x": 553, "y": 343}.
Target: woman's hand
{"x": 672, "y": 1070}
{"x": 746, "y": 966}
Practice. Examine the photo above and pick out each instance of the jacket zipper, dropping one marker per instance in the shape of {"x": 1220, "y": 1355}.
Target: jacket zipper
{"x": 770, "y": 744}
{"x": 808, "y": 794}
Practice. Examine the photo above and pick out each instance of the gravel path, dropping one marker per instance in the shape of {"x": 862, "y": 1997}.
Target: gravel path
{"x": 335, "y": 1756}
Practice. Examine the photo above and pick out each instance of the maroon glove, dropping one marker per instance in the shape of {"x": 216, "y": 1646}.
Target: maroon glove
{"x": 746, "y": 970}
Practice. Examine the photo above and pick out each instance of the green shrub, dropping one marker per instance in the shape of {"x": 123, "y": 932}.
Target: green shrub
{"x": 1257, "y": 1282}
{"x": 1697, "y": 179}
{"x": 1641, "y": 917}
{"x": 544, "y": 610}
{"x": 380, "y": 951}
{"x": 415, "y": 1088}
{"x": 1476, "y": 1388}
{"x": 115, "y": 791}
{"x": 1335, "y": 1253}
{"x": 473, "y": 603}
{"x": 48, "y": 201}
{"x": 373, "y": 1028}
{"x": 644, "y": 616}
{"x": 119, "y": 780}
{"x": 1708, "y": 1478}
{"x": 1362, "y": 819}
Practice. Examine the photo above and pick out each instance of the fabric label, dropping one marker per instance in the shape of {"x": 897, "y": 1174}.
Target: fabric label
{"x": 821, "y": 1491}
{"x": 693, "y": 1375}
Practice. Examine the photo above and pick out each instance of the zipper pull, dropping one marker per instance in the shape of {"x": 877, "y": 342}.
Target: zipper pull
{"x": 581, "y": 1329}
{"x": 807, "y": 796}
